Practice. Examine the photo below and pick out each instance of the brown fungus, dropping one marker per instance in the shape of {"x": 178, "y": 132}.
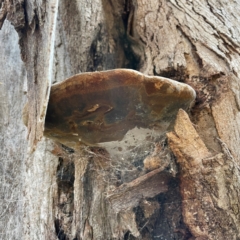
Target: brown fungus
{"x": 116, "y": 105}
{"x": 127, "y": 113}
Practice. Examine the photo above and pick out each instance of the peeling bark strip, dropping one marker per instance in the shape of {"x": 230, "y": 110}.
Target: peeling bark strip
{"x": 37, "y": 44}
{"x": 210, "y": 205}
{"x": 39, "y": 48}
{"x": 189, "y": 150}
{"x": 130, "y": 194}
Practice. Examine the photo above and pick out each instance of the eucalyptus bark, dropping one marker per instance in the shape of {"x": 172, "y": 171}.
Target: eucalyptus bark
{"x": 48, "y": 191}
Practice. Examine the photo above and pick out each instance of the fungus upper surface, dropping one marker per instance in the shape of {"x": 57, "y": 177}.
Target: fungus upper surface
{"x": 100, "y": 107}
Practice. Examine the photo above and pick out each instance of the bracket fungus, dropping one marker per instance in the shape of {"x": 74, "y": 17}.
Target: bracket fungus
{"x": 127, "y": 113}
{"x": 115, "y": 109}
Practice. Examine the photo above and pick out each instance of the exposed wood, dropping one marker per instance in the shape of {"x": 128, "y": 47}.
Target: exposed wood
{"x": 37, "y": 46}
{"x": 129, "y": 195}
{"x": 210, "y": 205}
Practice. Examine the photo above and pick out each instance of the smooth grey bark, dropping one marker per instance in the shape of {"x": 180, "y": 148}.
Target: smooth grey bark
{"x": 13, "y": 88}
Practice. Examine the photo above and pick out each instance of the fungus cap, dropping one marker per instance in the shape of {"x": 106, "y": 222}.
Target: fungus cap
{"x": 99, "y": 107}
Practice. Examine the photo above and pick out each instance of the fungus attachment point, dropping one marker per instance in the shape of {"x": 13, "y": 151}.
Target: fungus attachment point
{"x": 115, "y": 109}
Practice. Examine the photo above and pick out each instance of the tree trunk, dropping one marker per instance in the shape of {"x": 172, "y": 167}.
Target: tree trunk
{"x": 50, "y": 191}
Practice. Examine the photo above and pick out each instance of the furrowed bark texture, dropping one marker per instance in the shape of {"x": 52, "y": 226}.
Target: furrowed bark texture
{"x": 62, "y": 194}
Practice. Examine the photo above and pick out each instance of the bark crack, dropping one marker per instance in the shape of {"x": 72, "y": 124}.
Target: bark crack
{"x": 3, "y": 11}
